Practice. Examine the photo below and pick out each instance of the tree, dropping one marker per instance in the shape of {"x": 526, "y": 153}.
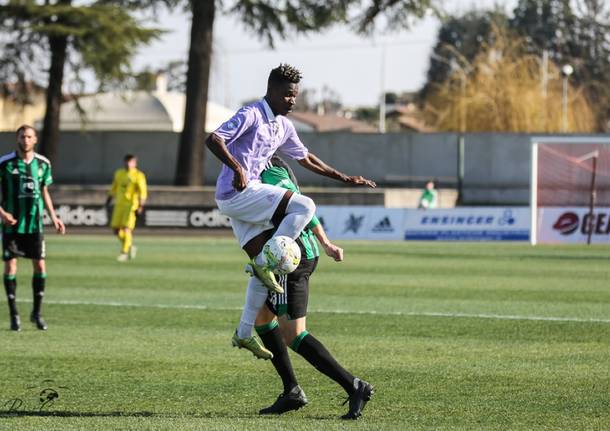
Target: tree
{"x": 269, "y": 19}
{"x": 367, "y": 114}
{"x": 147, "y": 79}
{"x": 459, "y": 41}
{"x": 328, "y": 101}
{"x": 189, "y": 166}
{"x": 561, "y": 31}
{"x": 500, "y": 91}
{"x": 575, "y": 33}
{"x": 39, "y": 36}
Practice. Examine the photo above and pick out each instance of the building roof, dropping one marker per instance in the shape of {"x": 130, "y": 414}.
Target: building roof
{"x": 408, "y": 117}
{"x": 331, "y": 123}
{"x": 135, "y": 111}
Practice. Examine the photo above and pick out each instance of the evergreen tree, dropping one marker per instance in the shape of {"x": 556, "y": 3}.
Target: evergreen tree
{"x": 46, "y": 36}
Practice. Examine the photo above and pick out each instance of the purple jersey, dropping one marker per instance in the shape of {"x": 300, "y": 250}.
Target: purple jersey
{"x": 252, "y": 136}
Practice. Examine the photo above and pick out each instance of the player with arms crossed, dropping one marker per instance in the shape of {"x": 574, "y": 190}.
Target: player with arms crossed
{"x": 244, "y": 144}
{"x": 129, "y": 192}
{"x": 291, "y": 309}
{"x": 24, "y": 179}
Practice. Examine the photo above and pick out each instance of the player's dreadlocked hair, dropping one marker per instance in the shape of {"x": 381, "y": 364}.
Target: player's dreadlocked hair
{"x": 284, "y": 73}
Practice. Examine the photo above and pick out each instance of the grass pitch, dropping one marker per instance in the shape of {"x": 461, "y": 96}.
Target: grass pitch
{"x": 453, "y": 336}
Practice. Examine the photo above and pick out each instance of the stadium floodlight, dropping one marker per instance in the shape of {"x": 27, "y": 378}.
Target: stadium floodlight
{"x": 570, "y": 177}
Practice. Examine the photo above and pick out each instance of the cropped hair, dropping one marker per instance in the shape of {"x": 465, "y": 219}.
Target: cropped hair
{"x": 25, "y": 127}
{"x": 284, "y": 73}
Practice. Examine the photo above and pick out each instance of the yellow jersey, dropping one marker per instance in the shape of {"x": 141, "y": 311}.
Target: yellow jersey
{"x": 128, "y": 187}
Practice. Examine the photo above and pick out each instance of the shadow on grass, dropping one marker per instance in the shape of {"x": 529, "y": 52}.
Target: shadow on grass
{"x": 64, "y": 414}
{"x": 4, "y": 414}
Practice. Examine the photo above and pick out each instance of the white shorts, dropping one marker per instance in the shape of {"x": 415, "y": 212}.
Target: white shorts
{"x": 251, "y": 210}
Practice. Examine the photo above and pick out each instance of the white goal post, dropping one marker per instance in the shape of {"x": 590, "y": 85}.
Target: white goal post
{"x": 567, "y": 196}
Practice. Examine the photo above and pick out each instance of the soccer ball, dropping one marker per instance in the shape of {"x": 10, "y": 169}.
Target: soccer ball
{"x": 282, "y": 254}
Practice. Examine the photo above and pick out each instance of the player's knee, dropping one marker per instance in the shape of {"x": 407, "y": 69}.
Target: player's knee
{"x": 39, "y": 266}
{"x": 305, "y": 205}
{"x": 311, "y": 207}
{"x": 302, "y": 205}
{"x": 288, "y": 337}
{"x": 289, "y": 333}
{"x": 10, "y": 266}
{"x": 264, "y": 316}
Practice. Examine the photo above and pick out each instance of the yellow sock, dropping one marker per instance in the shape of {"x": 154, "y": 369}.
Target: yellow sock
{"x": 126, "y": 242}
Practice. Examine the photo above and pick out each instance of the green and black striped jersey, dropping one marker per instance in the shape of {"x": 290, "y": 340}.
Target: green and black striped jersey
{"x": 22, "y": 185}
{"x": 278, "y": 176}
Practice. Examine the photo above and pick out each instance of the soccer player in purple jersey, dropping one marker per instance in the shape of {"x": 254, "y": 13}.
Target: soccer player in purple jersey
{"x": 245, "y": 144}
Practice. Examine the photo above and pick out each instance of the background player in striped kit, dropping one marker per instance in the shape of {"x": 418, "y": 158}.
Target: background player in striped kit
{"x": 25, "y": 177}
{"x": 291, "y": 308}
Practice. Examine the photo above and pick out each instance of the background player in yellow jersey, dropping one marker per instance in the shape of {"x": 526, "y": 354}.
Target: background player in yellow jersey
{"x": 129, "y": 193}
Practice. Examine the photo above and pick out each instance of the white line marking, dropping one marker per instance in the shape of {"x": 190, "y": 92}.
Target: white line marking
{"x": 372, "y": 312}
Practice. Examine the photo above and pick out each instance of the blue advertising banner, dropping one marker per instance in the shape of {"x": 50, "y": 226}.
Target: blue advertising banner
{"x": 468, "y": 224}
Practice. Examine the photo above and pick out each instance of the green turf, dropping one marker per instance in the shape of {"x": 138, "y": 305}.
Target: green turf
{"x": 453, "y": 336}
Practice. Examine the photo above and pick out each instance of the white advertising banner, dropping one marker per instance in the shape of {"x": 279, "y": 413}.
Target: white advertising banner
{"x": 459, "y": 224}
{"x": 571, "y": 225}
{"x": 468, "y": 224}
{"x": 174, "y": 217}
{"x": 362, "y": 222}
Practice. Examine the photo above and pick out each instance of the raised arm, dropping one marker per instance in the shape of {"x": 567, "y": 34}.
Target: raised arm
{"x": 217, "y": 146}
{"x": 314, "y": 164}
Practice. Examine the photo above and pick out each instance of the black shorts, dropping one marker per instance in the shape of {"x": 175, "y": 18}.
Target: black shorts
{"x": 28, "y": 245}
{"x": 293, "y": 302}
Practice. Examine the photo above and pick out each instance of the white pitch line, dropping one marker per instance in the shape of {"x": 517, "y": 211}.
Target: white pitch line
{"x": 372, "y": 312}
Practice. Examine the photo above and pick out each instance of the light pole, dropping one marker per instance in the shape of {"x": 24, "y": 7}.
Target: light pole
{"x": 382, "y": 98}
{"x": 566, "y": 71}
{"x": 463, "y": 72}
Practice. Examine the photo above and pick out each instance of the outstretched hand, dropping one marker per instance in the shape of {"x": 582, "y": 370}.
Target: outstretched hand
{"x": 361, "y": 181}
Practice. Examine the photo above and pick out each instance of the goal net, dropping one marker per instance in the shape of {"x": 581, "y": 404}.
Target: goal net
{"x": 570, "y": 190}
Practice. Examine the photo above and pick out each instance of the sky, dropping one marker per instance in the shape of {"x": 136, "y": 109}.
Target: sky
{"x": 358, "y": 68}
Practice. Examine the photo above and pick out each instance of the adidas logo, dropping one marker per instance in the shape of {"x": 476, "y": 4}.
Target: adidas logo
{"x": 15, "y": 171}
{"x": 384, "y": 225}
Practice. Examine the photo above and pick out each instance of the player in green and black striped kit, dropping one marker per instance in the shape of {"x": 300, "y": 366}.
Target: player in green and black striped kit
{"x": 24, "y": 180}
{"x": 291, "y": 308}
